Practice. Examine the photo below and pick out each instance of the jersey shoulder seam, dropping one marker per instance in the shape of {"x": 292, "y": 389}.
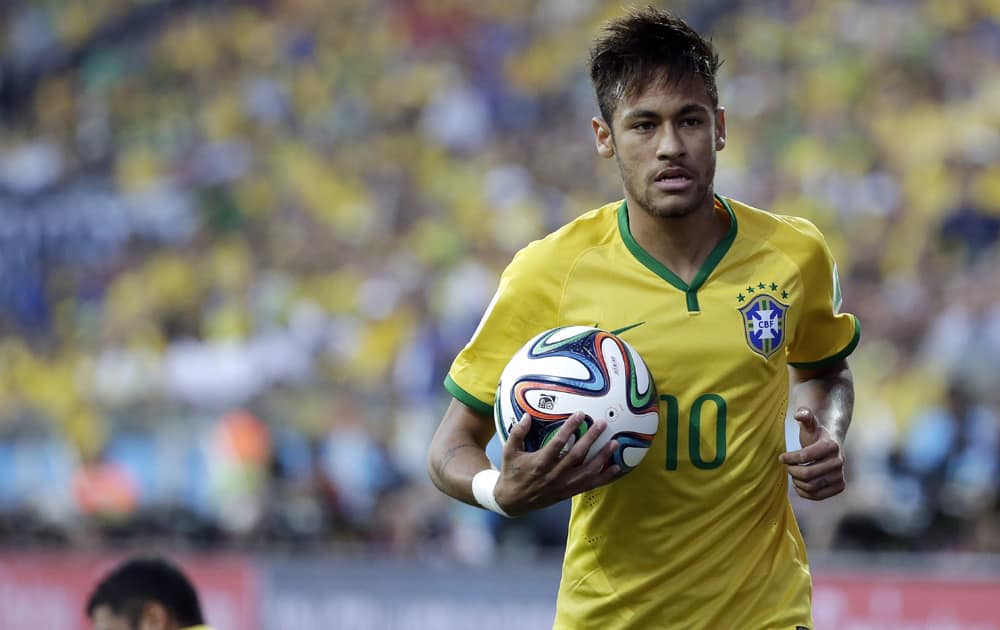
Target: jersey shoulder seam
{"x": 569, "y": 273}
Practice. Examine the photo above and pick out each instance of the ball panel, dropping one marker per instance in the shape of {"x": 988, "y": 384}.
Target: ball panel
{"x": 562, "y": 367}
{"x": 557, "y": 336}
{"x": 630, "y": 456}
{"x": 548, "y": 401}
{"x": 640, "y": 373}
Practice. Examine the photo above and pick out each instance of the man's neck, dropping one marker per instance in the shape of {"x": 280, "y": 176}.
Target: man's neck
{"x": 680, "y": 244}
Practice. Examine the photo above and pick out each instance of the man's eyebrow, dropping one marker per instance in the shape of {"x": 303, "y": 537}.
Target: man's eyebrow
{"x": 640, "y": 113}
{"x": 692, "y": 108}
{"x": 689, "y": 108}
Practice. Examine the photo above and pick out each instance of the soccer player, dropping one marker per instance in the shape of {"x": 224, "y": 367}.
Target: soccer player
{"x": 722, "y": 300}
{"x": 145, "y": 594}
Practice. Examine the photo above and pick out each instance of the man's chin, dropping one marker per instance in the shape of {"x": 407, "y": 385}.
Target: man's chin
{"x": 676, "y": 210}
{"x": 675, "y": 205}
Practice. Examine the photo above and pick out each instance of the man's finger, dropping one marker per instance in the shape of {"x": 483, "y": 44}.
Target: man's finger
{"x": 578, "y": 452}
{"x": 606, "y": 473}
{"x": 554, "y": 449}
{"x": 811, "y": 453}
{"x": 816, "y": 469}
{"x": 820, "y": 484}
{"x": 826, "y": 492}
{"x": 515, "y": 439}
{"x": 596, "y": 472}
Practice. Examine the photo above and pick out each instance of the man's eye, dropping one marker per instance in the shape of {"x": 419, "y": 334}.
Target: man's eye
{"x": 643, "y": 126}
{"x": 690, "y": 122}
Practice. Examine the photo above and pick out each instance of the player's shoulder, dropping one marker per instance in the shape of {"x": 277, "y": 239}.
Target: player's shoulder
{"x": 793, "y": 235}
{"x": 595, "y": 228}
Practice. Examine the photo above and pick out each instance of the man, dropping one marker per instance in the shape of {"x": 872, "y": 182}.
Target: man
{"x": 721, "y": 300}
{"x": 145, "y": 594}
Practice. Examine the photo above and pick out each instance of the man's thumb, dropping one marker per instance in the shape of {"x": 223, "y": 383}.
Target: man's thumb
{"x": 806, "y": 418}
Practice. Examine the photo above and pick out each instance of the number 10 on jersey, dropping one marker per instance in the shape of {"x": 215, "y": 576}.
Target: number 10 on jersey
{"x": 700, "y": 411}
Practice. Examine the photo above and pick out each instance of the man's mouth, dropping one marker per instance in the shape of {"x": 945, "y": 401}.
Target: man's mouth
{"x": 673, "y": 179}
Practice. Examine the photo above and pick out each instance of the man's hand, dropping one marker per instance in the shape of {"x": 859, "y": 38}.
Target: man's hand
{"x": 817, "y": 469}
{"x": 530, "y": 481}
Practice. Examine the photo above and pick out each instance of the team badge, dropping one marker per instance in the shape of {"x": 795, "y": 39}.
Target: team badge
{"x": 764, "y": 324}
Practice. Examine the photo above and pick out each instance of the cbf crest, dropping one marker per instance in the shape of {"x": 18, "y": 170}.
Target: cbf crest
{"x": 764, "y": 324}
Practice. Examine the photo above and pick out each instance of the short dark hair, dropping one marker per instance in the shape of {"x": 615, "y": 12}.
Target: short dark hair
{"x": 141, "y": 580}
{"x": 648, "y": 45}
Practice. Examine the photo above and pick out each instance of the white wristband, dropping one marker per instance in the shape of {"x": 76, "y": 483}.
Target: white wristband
{"x": 483, "y": 484}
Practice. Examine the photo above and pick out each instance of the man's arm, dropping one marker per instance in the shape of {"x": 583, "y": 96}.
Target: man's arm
{"x": 458, "y": 450}
{"x": 829, "y": 392}
{"x": 824, "y": 405}
{"x": 527, "y": 481}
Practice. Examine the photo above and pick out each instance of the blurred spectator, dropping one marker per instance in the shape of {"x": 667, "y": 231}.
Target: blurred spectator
{"x": 952, "y": 451}
{"x": 105, "y": 490}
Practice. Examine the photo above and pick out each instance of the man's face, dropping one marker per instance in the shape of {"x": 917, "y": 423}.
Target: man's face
{"x": 664, "y": 141}
{"x": 103, "y": 618}
{"x": 153, "y": 617}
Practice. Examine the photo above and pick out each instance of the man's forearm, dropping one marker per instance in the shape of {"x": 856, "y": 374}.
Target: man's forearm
{"x": 830, "y": 394}
{"x": 452, "y": 469}
{"x": 458, "y": 451}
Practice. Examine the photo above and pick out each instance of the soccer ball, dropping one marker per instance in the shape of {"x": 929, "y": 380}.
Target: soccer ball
{"x": 580, "y": 368}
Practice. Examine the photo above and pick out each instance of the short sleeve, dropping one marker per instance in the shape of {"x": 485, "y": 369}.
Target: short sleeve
{"x": 524, "y": 305}
{"x": 824, "y": 335}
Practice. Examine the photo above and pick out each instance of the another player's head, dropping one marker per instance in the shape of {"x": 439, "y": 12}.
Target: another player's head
{"x": 144, "y": 594}
{"x": 654, "y": 78}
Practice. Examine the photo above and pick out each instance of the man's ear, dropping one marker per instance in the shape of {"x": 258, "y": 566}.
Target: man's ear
{"x": 602, "y": 137}
{"x": 155, "y": 617}
{"x": 720, "y": 128}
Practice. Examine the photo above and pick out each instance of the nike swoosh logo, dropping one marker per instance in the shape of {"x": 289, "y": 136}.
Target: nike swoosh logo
{"x": 627, "y": 328}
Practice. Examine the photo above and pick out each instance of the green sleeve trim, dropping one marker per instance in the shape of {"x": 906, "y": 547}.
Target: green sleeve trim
{"x": 840, "y": 356}
{"x": 466, "y": 398}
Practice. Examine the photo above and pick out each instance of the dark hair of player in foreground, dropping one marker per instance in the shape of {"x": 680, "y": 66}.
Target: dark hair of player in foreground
{"x": 139, "y": 581}
{"x": 644, "y": 48}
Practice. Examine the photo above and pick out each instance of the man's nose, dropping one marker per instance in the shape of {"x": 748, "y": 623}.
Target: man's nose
{"x": 670, "y": 144}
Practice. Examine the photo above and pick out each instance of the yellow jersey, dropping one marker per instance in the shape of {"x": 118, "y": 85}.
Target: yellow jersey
{"x": 701, "y": 534}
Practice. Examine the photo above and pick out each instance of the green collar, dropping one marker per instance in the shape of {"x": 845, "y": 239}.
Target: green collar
{"x": 690, "y": 290}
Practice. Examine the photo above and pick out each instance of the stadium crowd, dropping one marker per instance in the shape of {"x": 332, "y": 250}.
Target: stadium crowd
{"x": 240, "y": 243}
